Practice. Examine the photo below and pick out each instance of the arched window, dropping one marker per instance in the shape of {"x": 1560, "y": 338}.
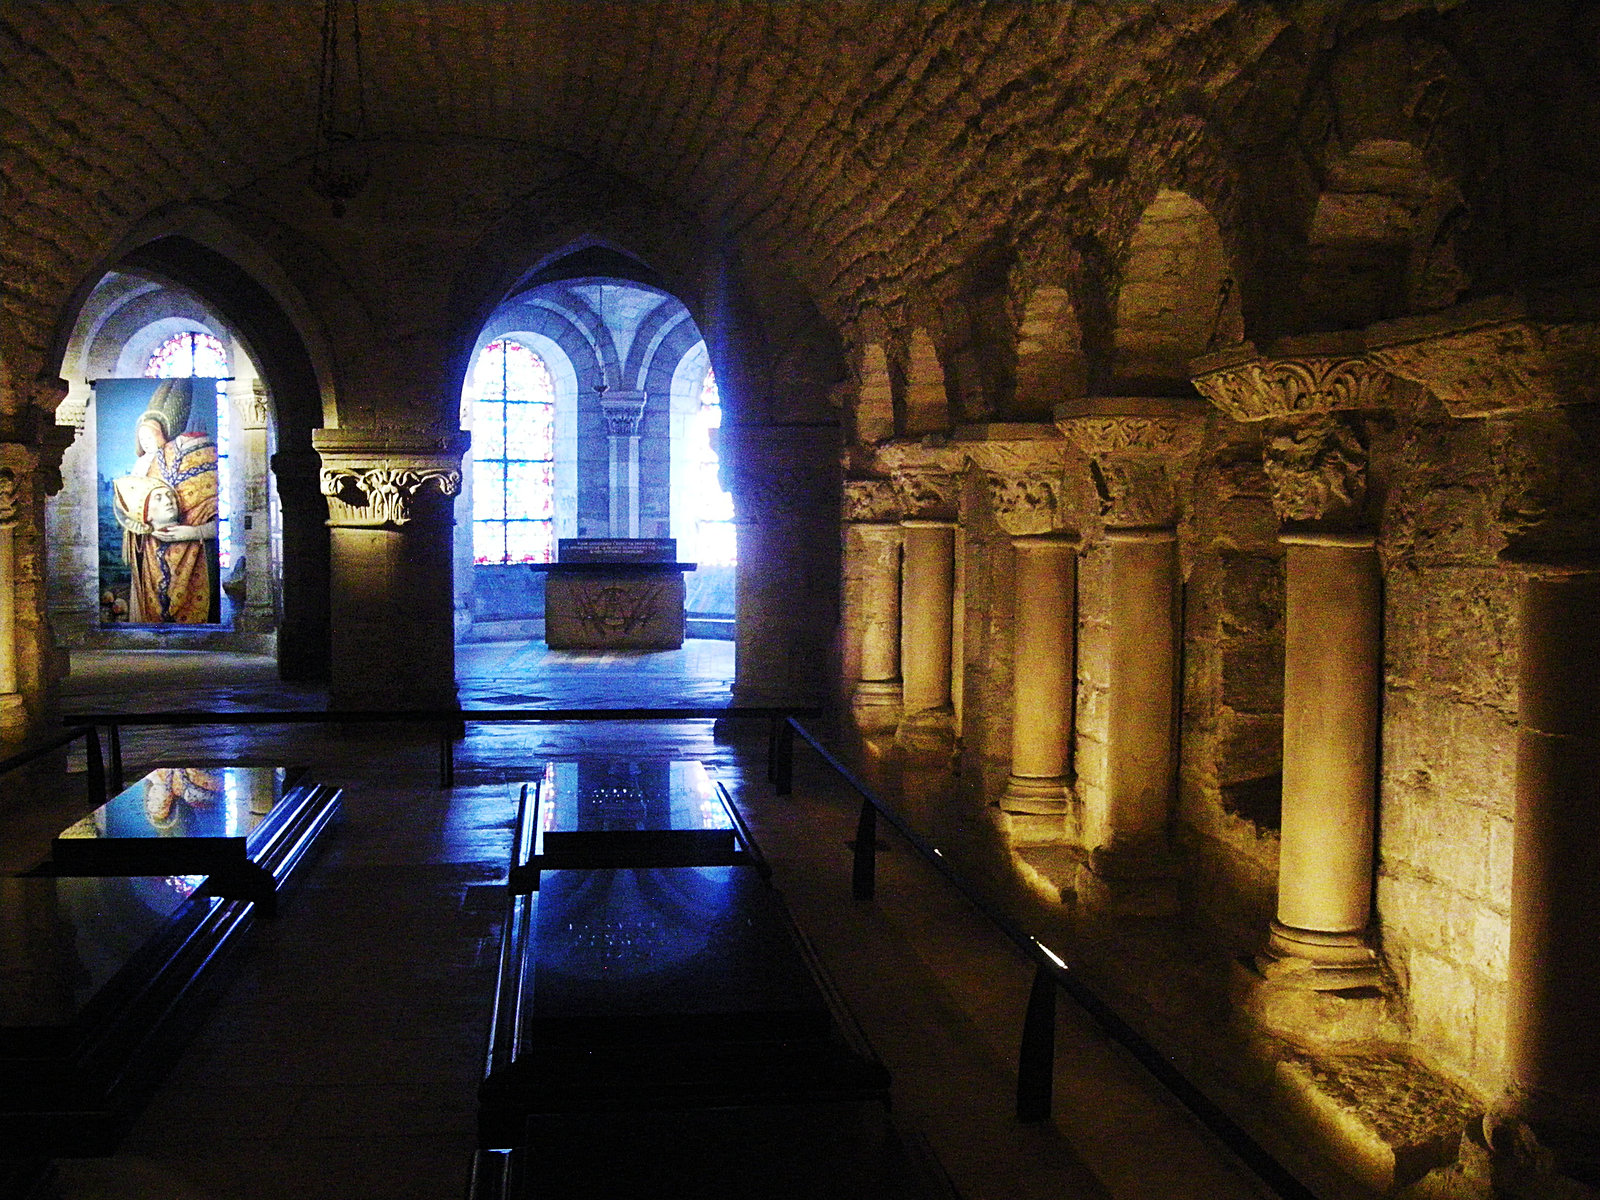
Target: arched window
{"x": 204, "y": 356}
{"x": 715, "y": 540}
{"x": 513, "y": 449}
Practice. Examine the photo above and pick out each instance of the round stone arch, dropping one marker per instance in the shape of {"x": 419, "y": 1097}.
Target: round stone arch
{"x": 195, "y": 250}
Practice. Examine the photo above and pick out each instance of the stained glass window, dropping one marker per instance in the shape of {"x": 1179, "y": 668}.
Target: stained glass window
{"x": 715, "y": 543}
{"x": 203, "y": 354}
{"x": 513, "y": 450}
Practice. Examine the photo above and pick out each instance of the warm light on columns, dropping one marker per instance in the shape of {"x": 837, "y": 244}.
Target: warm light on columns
{"x": 1553, "y": 993}
{"x": 874, "y": 547}
{"x": 926, "y": 616}
{"x": 1042, "y": 687}
{"x": 1333, "y": 625}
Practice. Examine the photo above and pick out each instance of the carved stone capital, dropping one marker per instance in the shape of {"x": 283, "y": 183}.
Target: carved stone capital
{"x": 381, "y": 495}
{"x": 10, "y": 500}
{"x": 1021, "y": 467}
{"x": 1249, "y": 386}
{"x": 1318, "y": 470}
{"x": 1493, "y": 357}
{"x": 870, "y": 500}
{"x": 1103, "y": 437}
{"x": 623, "y": 411}
{"x": 255, "y": 408}
{"x": 374, "y": 479}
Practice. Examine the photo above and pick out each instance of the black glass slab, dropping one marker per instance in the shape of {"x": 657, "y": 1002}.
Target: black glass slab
{"x": 646, "y": 984}
{"x": 243, "y": 826}
{"x": 96, "y": 976}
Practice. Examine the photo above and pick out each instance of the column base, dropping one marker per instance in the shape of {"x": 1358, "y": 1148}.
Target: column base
{"x": 1316, "y": 961}
{"x": 1541, "y": 1145}
{"x": 1034, "y": 829}
{"x": 13, "y": 717}
{"x": 876, "y": 705}
{"x": 1130, "y": 879}
{"x": 1042, "y": 795}
{"x": 1313, "y": 1019}
{"x": 931, "y": 731}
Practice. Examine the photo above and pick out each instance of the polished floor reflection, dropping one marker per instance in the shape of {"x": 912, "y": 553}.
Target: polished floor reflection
{"x": 343, "y": 1059}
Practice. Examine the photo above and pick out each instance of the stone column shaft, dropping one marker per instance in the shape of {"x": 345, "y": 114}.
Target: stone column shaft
{"x": 392, "y": 588}
{"x": 1141, "y": 661}
{"x": 1046, "y": 575}
{"x": 1330, "y": 756}
{"x": 875, "y": 548}
{"x": 926, "y": 629}
{"x": 1553, "y": 1040}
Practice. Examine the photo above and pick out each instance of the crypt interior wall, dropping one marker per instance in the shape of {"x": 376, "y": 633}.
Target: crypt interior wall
{"x": 1249, "y": 305}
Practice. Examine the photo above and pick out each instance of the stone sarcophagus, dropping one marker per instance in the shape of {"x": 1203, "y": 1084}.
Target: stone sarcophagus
{"x": 614, "y": 594}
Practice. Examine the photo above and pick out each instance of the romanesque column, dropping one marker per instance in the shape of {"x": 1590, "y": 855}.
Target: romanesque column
{"x": 927, "y": 595}
{"x": 13, "y": 712}
{"x": 1140, "y": 667}
{"x": 1127, "y": 777}
{"x": 392, "y": 600}
{"x": 623, "y": 411}
{"x": 1315, "y": 459}
{"x": 874, "y": 550}
{"x": 254, "y": 515}
{"x": 1332, "y": 675}
{"x": 1553, "y": 1039}
{"x": 1046, "y": 632}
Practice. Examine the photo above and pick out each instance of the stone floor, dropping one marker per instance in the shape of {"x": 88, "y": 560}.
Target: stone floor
{"x": 342, "y": 1059}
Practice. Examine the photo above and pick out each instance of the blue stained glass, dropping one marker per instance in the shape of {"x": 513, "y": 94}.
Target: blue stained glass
{"x": 488, "y": 541}
{"x": 529, "y": 541}
{"x": 530, "y": 491}
{"x": 488, "y": 491}
{"x": 488, "y": 430}
{"x": 530, "y": 431}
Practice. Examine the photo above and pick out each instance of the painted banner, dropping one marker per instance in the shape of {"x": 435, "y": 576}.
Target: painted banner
{"x": 157, "y": 467}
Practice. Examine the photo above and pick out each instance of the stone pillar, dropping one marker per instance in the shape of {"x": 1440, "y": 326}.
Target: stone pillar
{"x": 13, "y": 710}
{"x": 1128, "y": 832}
{"x": 1332, "y": 666}
{"x": 253, "y": 518}
{"x": 785, "y": 485}
{"x": 1039, "y": 787}
{"x": 874, "y": 547}
{"x": 926, "y": 606}
{"x": 392, "y": 588}
{"x": 622, "y": 412}
{"x": 1553, "y": 1039}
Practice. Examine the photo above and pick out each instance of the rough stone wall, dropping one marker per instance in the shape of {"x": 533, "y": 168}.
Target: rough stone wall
{"x": 1231, "y": 724}
{"x": 1449, "y": 746}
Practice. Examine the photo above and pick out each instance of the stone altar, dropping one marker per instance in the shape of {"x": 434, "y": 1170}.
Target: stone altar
{"x": 614, "y": 594}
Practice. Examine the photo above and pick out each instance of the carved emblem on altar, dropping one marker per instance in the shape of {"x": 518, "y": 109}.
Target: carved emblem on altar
{"x": 610, "y": 609}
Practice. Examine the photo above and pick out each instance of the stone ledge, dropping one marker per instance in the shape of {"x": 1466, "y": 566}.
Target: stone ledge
{"x": 1382, "y": 1118}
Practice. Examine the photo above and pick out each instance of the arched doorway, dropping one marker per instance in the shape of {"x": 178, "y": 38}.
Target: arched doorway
{"x": 166, "y": 532}
{"x": 594, "y": 413}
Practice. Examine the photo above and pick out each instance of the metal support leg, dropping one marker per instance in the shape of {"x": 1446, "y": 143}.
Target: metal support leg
{"x": 1036, "y": 1062}
{"x": 864, "y": 869}
{"x": 447, "y": 755}
{"x": 783, "y": 759}
{"x": 95, "y": 767}
{"x": 772, "y": 749}
{"x": 116, "y": 782}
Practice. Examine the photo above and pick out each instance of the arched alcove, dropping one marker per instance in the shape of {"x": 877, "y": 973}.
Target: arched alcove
{"x": 1178, "y": 298}
{"x": 628, "y": 370}
{"x": 210, "y": 577}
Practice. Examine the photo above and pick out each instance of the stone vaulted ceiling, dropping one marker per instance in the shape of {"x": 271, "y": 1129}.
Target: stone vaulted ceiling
{"x": 867, "y": 147}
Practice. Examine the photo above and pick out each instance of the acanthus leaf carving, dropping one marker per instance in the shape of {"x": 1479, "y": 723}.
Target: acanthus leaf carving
{"x": 10, "y": 497}
{"x": 1251, "y": 387}
{"x": 870, "y": 500}
{"x": 381, "y": 495}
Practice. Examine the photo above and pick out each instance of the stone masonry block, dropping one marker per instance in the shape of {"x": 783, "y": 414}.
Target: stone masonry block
{"x": 1444, "y": 1004}
{"x": 1501, "y": 833}
{"x": 1471, "y": 631}
{"x": 1451, "y": 844}
{"x": 1479, "y": 763}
